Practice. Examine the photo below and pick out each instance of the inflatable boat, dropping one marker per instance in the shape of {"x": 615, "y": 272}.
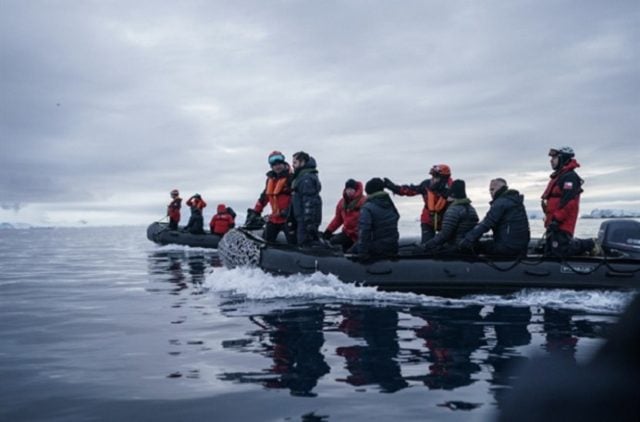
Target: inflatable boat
{"x": 160, "y": 234}
{"x": 413, "y": 270}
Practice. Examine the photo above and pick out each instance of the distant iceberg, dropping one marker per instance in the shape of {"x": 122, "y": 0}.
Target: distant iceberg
{"x": 611, "y": 213}
{"x": 15, "y": 226}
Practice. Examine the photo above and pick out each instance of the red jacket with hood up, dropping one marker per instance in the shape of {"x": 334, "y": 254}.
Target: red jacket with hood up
{"x": 348, "y": 212}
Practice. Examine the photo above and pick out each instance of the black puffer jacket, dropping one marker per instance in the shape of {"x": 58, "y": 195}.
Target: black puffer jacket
{"x": 459, "y": 218}
{"x": 306, "y": 203}
{"x": 378, "y": 226}
{"x": 508, "y": 219}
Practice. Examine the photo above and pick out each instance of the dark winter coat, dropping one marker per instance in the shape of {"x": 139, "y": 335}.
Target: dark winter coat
{"x": 378, "y": 226}
{"x": 459, "y": 218}
{"x": 561, "y": 198}
{"x": 306, "y": 203}
{"x": 508, "y": 220}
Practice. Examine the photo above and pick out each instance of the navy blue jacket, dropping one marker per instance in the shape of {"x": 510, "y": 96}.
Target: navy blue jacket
{"x": 508, "y": 219}
{"x": 306, "y": 203}
{"x": 378, "y": 226}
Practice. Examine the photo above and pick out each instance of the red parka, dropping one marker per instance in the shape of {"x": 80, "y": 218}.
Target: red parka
{"x": 277, "y": 193}
{"x": 222, "y": 222}
{"x": 561, "y": 198}
{"x": 196, "y": 203}
{"x": 348, "y": 212}
{"x": 173, "y": 209}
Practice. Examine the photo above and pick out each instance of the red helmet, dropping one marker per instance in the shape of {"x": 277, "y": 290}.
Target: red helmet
{"x": 440, "y": 170}
{"x": 174, "y": 192}
{"x": 276, "y": 157}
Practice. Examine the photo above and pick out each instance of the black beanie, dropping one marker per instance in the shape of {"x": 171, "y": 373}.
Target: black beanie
{"x": 374, "y": 185}
{"x": 457, "y": 189}
{"x": 351, "y": 184}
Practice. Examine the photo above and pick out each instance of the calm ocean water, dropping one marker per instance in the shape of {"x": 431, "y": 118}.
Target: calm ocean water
{"x": 101, "y": 324}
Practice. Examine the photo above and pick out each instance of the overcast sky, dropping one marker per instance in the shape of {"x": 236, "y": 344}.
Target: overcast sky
{"x": 105, "y": 106}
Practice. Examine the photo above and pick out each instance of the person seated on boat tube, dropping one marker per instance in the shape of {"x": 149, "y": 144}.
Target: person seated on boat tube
{"x": 459, "y": 218}
{"x": 223, "y": 221}
{"x": 347, "y": 215}
{"x": 507, "y": 218}
{"x": 306, "y": 204}
{"x": 378, "y": 224}
{"x": 560, "y": 204}
{"x": 277, "y": 194}
{"x": 196, "y": 221}
{"x": 434, "y": 194}
{"x": 173, "y": 209}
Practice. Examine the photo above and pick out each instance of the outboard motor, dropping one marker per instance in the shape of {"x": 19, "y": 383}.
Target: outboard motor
{"x": 620, "y": 237}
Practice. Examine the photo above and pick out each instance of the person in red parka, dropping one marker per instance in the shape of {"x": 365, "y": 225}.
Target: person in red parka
{"x": 434, "y": 193}
{"x": 173, "y": 209}
{"x": 196, "y": 220}
{"x": 223, "y": 221}
{"x": 277, "y": 193}
{"x": 347, "y": 215}
{"x": 561, "y": 204}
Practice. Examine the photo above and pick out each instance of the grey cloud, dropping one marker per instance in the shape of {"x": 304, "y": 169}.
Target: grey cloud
{"x": 109, "y": 97}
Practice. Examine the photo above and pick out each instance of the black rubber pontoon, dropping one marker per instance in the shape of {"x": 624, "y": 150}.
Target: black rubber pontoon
{"x": 160, "y": 233}
{"x": 447, "y": 275}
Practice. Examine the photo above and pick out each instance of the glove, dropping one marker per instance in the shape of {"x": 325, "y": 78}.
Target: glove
{"x": 326, "y": 235}
{"x": 465, "y": 244}
{"x": 252, "y": 213}
{"x": 391, "y": 186}
{"x": 554, "y": 226}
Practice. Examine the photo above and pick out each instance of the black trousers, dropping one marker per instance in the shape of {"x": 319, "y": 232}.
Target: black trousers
{"x": 343, "y": 240}
{"x": 562, "y": 244}
{"x": 271, "y": 231}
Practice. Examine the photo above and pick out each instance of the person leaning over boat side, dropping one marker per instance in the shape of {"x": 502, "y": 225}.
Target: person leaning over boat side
{"x": 561, "y": 203}
{"x": 459, "y": 218}
{"x": 276, "y": 193}
{"x": 507, "y": 218}
{"x": 378, "y": 224}
{"x": 434, "y": 194}
{"x": 223, "y": 221}
{"x": 173, "y": 209}
{"x": 347, "y": 214}
{"x": 306, "y": 204}
{"x": 196, "y": 221}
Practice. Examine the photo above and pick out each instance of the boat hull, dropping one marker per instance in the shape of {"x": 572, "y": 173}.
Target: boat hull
{"x": 451, "y": 275}
{"x": 460, "y": 275}
{"x": 160, "y": 234}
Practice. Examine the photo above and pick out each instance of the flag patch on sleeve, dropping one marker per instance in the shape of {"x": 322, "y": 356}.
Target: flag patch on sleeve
{"x": 568, "y": 185}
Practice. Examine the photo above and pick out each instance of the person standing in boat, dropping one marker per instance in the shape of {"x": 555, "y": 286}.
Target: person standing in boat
{"x": 560, "y": 204}
{"x": 196, "y": 220}
{"x": 347, "y": 215}
{"x": 306, "y": 204}
{"x": 223, "y": 221}
{"x": 173, "y": 209}
{"x": 459, "y": 218}
{"x": 507, "y": 218}
{"x": 277, "y": 194}
{"x": 378, "y": 223}
{"x": 434, "y": 194}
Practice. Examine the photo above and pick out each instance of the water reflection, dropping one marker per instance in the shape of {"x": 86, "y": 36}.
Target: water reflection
{"x": 450, "y": 336}
{"x": 375, "y": 362}
{"x": 392, "y": 348}
{"x": 182, "y": 269}
{"x": 292, "y": 339}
